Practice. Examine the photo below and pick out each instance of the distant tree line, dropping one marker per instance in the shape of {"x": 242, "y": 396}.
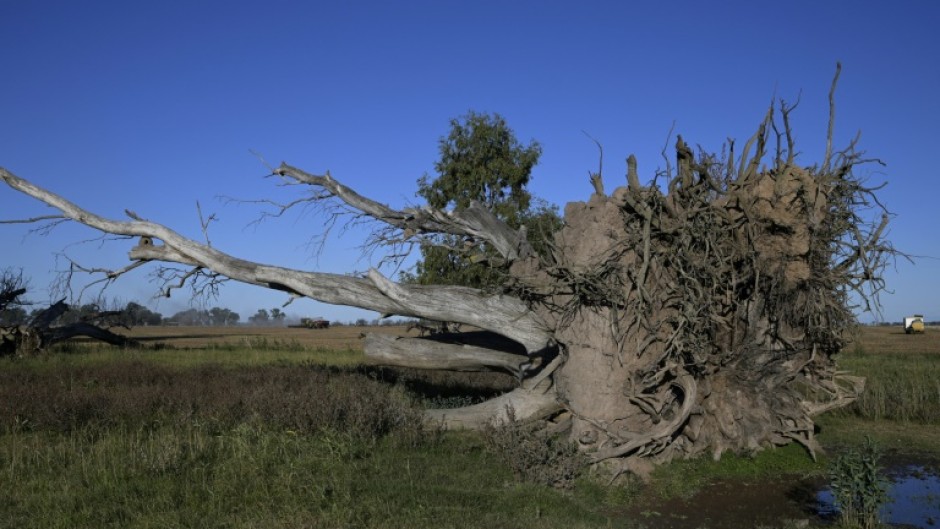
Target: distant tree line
{"x": 215, "y": 317}
{"x": 263, "y": 317}
{"x": 17, "y": 310}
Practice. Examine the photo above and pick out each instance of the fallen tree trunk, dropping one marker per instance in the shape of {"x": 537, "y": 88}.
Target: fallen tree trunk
{"x": 42, "y": 332}
{"x": 696, "y": 315}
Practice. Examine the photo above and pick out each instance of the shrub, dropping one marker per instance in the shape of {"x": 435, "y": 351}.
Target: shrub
{"x": 533, "y": 453}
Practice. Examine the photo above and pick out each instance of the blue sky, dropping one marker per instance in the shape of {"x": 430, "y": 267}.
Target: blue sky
{"x": 153, "y": 106}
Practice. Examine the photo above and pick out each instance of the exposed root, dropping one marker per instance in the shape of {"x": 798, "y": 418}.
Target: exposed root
{"x": 655, "y": 441}
{"x": 527, "y": 404}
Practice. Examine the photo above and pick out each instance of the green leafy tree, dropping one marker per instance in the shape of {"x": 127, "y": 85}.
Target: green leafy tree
{"x": 136, "y": 314}
{"x": 480, "y": 160}
{"x": 260, "y": 318}
{"x": 223, "y": 317}
{"x": 190, "y": 317}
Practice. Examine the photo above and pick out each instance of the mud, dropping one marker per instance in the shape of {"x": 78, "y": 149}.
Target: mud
{"x": 793, "y": 502}
{"x": 737, "y": 503}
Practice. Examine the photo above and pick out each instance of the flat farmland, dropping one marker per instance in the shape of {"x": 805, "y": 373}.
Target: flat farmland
{"x": 339, "y": 338}
{"x": 875, "y": 340}
{"x": 270, "y": 427}
{"x": 893, "y": 340}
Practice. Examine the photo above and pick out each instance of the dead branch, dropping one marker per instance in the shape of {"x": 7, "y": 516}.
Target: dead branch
{"x": 383, "y": 349}
{"x": 827, "y": 159}
{"x": 501, "y": 314}
{"x": 475, "y": 221}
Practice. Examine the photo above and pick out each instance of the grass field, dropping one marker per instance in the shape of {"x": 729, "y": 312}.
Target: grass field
{"x": 193, "y": 346}
{"x": 333, "y": 339}
{"x": 892, "y": 340}
{"x": 902, "y": 371}
{"x": 263, "y": 427}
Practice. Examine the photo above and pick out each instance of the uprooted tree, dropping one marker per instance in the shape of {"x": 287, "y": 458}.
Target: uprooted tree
{"x": 696, "y": 316}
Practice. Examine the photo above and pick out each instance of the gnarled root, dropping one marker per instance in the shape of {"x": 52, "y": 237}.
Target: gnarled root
{"x": 526, "y": 404}
{"x": 657, "y": 439}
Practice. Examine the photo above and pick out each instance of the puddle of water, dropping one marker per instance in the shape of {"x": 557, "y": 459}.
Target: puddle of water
{"x": 914, "y": 498}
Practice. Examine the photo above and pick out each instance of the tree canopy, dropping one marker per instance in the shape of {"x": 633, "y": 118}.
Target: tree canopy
{"x": 481, "y": 160}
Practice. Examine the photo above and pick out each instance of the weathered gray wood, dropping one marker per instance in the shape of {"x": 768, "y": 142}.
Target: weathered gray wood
{"x": 384, "y": 349}
{"x": 525, "y": 405}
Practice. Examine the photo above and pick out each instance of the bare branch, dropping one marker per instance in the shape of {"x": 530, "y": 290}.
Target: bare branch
{"x": 475, "y": 221}
{"x": 665, "y": 156}
{"x": 109, "y": 275}
{"x": 204, "y": 223}
{"x": 33, "y": 219}
{"x": 832, "y": 118}
{"x": 501, "y": 314}
{"x": 748, "y": 166}
{"x": 785, "y": 111}
{"x": 597, "y": 179}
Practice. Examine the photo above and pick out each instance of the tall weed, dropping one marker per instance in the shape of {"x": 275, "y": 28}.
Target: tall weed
{"x": 858, "y": 487}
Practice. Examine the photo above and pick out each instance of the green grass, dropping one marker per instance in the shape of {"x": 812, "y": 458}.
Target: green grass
{"x": 683, "y": 479}
{"x": 276, "y": 434}
{"x": 899, "y": 387}
{"x": 253, "y": 477}
{"x": 87, "y": 440}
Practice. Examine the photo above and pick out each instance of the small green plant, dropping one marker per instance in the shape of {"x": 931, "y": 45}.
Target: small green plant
{"x": 858, "y": 488}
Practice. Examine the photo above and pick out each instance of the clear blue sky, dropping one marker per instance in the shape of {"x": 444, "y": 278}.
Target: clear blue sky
{"x": 155, "y": 105}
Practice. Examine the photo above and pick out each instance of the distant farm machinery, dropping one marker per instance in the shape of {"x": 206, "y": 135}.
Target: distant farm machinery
{"x": 914, "y": 324}
{"x": 312, "y": 323}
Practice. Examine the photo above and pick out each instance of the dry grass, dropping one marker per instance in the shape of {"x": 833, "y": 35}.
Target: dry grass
{"x": 334, "y": 338}
{"x": 301, "y": 399}
{"x": 878, "y": 340}
{"x": 892, "y": 340}
{"x": 902, "y": 372}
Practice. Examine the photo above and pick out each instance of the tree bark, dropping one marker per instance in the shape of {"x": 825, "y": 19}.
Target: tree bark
{"x": 525, "y": 405}
{"x": 422, "y": 353}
